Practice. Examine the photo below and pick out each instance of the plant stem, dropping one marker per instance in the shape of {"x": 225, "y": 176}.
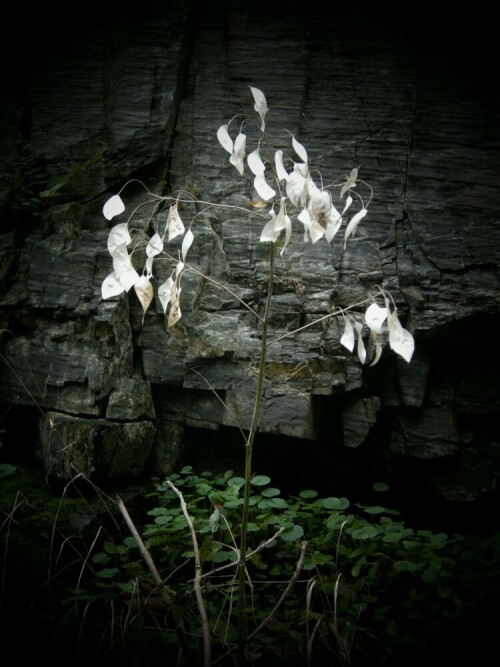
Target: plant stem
{"x": 242, "y": 615}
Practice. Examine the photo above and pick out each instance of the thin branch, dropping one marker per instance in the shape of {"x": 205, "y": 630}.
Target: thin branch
{"x": 289, "y": 587}
{"x": 188, "y": 267}
{"x": 261, "y": 546}
{"x": 144, "y": 552}
{"x": 233, "y": 417}
{"x": 207, "y": 647}
{"x": 339, "y": 311}
{"x": 167, "y": 599}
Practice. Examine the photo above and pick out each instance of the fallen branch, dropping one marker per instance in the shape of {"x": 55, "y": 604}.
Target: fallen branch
{"x": 207, "y": 648}
{"x": 167, "y": 599}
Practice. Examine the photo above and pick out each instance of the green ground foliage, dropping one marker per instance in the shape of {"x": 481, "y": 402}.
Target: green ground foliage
{"x": 340, "y": 584}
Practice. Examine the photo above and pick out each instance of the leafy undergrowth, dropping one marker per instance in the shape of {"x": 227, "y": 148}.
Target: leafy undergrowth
{"x": 328, "y": 583}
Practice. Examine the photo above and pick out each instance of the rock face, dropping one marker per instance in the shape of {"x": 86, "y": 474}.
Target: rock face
{"x": 140, "y": 99}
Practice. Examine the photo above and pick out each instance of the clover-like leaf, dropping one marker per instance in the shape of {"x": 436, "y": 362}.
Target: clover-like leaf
{"x": 292, "y": 533}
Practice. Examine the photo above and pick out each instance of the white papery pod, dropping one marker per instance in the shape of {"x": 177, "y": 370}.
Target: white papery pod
{"x": 280, "y": 222}
{"x": 260, "y": 105}
{"x": 378, "y": 348}
{"x": 224, "y": 139}
{"x": 348, "y": 338}
{"x": 178, "y": 270}
{"x": 111, "y": 286}
{"x": 361, "y": 350}
{"x": 400, "y": 340}
{"x": 353, "y": 224}
{"x": 281, "y": 172}
{"x": 269, "y": 234}
{"x": 305, "y": 219}
{"x": 288, "y": 233}
{"x": 186, "y": 243}
{"x": 236, "y": 158}
{"x": 175, "y": 226}
{"x": 312, "y": 229}
{"x": 174, "y": 314}
{"x": 348, "y": 203}
{"x": 334, "y": 223}
{"x": 296, "y": 187}
{"x": 263, "y": 189}
{"x": 148, "y": 267}
{"x": 118, "y": 235}
{"x": 122, "y": 265}
{"x": 312, "y": 188}
{"x": 154, "y": 246}
{"x": 375, "y": 317}
{"x": 350, "y": 183}
{"x": 164, "y": 293}
{"x": 300, "y": 150}
{"x": 319, "y": 202}
{"x": 144, "y": 291}
{"x": 319, "y": 207}
{"x": 114, "y": 206}
{"x": 255, "y": 163}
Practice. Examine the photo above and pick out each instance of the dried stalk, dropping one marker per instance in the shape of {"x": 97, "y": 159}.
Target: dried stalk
{"x": 261, "y": 546}
{"x": 289, "y": 587}
{"x": 207, "y": 647}
{"x": 167, "y": 599}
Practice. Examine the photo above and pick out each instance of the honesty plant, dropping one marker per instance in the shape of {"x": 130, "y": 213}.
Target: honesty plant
{"x": 288, "y": 187}
{"x": 285, "y": 185}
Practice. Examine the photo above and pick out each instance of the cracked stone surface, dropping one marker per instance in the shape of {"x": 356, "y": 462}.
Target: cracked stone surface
{"x": 142, "y": 98}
